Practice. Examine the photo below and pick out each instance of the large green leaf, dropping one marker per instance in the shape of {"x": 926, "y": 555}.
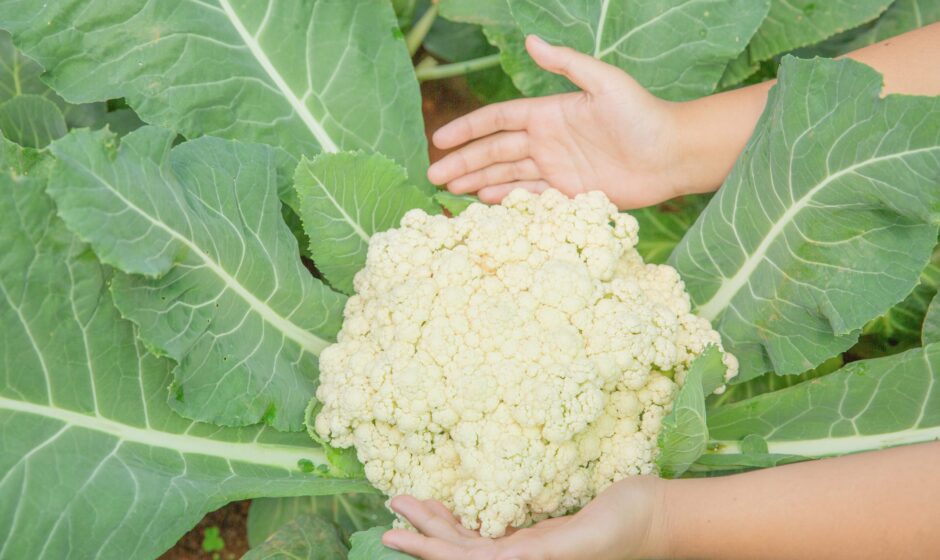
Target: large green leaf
{"x": 901, "y": 325}
{"x": 343, "y": 200}
{"x": 825, "y": 222}
{"x": 770, "y": 382}
{"x": 901, "y": 17}
{"x": 866, "y": 405}
{"x": 93, "y": 463}
{"x": 214, "y": 278}
{"x": 306, "y": 75}
{"x": 663, "y": 225}
{"x": 480, "y": 12}
{"x": 367, "y": 545}
{"x": 676, "y": 49}
{"x": 31, "y": 121}
{"x": 350, "y": 512}
{"x": 931, "y": 328}
{"x": 308, "y": 537}
{"x": 796, "y": 23}
{"x": 685, "y": 435}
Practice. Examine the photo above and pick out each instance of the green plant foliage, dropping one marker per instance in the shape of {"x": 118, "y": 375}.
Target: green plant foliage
{"x": 302, "y": 76}
{"x": 796, "y": 23}
{"x": 480, "y": 12}
{"x": 349, "y": 512}
{"x": 664, "y": 225}
{"x": 677, "y": 50}
{"x": 842, "y": 220}
{"x": 213, "y": 276}
{"x": 865, "y": 405}
{"x": 344, "y": 199}
{"x": 367, "y": 545}
{"x": 31, "y": 121}
{"x": 308, "y": 537}
{"x": 770, "y": 382}
{"x": 931, "y": 330}
{"x": 89, "y": 445}
{"x": 454, "y": 203}
{"x": 685, "y": 435}
{"x": 900, "y": 327}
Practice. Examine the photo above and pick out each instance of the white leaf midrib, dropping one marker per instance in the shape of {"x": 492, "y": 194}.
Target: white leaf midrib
{"x": 356, "y": 227}
{"x": 831, "y": 446}
{"x": 729, "y": 287}
{"x": 264, "y": 454}
{"x": 323, "y": 138}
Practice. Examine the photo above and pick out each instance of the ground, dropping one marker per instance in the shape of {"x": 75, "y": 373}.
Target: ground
{"x": 443, "y": 101}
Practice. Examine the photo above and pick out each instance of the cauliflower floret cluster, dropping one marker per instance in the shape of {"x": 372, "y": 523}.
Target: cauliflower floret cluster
{"x": 512, "y": 361}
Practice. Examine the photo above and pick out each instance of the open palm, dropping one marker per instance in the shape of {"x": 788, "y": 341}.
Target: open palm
{"x": 612, "y": 136}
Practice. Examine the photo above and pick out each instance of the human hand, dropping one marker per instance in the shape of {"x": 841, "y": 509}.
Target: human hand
{"x": 613, "y": 136}
{"x": 622, "y": 522}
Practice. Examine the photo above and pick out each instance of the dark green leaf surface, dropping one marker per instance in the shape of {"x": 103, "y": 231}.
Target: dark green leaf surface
{"x": 931, "y": 328}
{"x": 866, "y": 405}
{"x": 662, "y": 226}
{"x": 454, "y": 203}
{"x": 480, "y": 12}
{"x": 676, "y": 49}
{"x": 31, "y": 121}
{"x": 308, "y": 537}
{"x": 214, "y": 280}
{"x": 796, "y": 23}
{"x": 350, "y": 512}
{"x": 825, "y": 222}
{"x": 344, "y": 199}
{"x": 367, "y": 545}
{"x": 684, "y": 434}
{"x": 901, "y": 325}
{"x": 94, "y": 463}
{"x": 305, "y": 75}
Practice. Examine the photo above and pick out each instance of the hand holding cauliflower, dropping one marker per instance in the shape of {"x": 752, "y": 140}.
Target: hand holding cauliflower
{"x": 511, "y": 362}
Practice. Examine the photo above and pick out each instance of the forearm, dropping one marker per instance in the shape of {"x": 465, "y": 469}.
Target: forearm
{"x": 717, "y": 127}
{"x": 883, "y": 504}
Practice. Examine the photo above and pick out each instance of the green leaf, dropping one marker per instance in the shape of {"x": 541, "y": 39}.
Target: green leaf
{"x": 902, "y": 16}
{"x": 492, "y": 85}
{"x": 676, "y": 49}
{"x": 20, "y": 76}
{"x": 367, "y": 545}
{"x": 309, "y": 537}
{"x": 662, "y": 226}
{"x": 480, "y": 12}
{"x": 94, "y": 462}
{"x": 454, "y": 42}
{"x": 796, "y": 23}
{"x": 122, "y": 121}
{"x": 307, "y": 76}
{"x": 738, "y": 70}
{"x": 870, "y": 404}
{"x": 404, "y": 12}
{"x": 684, "y": 434}
{"x": 931, "y": 329}
{"x": 455, "y": 203}
{"x": 825, "y": 222}
{"x": 350, "y": 512}
{"x": 212, "y": 541}
{"x": 901, "y": 325}
{"x": 770, "y": 382}
{"x": 214, "y": 280}
{"x": 344, "y": 199}
{"x": 31, "y": 121}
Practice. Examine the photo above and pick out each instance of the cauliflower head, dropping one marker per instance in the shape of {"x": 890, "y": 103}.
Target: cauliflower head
{"x": 511, "y": 362}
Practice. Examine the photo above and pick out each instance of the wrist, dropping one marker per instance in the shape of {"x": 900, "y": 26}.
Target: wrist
{"x": 657, "y": 541}
{"x": 711, "y": 133}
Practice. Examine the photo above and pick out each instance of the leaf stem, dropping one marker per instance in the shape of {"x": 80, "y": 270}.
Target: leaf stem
{"x": 420, "y": 29}
{"x": 437, "y": 72}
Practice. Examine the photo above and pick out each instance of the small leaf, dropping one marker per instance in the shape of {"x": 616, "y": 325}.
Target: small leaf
{"x": 684, "y": 434}
{"x": 308, "y": 537}
{"x": 349, "y": 512}
{"x": 455, "y": 203}
{"x": 344, "y": 199}
{"x": 212, "y": 541}
{"x": 31, "y": 121}
{"x": 367, "y": 545}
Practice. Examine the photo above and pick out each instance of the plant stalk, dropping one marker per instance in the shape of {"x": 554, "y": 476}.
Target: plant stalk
{"x": 420, "y": 29}
{"x": 437, "y": 72}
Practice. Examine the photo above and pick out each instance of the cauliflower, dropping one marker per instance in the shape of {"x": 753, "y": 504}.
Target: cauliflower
{"x": 511, "y": 362}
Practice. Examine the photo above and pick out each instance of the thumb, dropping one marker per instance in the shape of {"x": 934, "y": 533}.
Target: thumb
{"x": 588, "y": 73}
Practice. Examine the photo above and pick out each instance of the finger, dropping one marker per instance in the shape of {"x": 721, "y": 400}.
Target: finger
{"x": 441, "y": 511}
{"x": 421, "y": 546}
{"x": 496, "y": 174}
{"x": 509, "y": 115}
{"x": 493, "y": 194}
{"x": 585, "y": 71}
{"x": 499, "y": 147}
{"x": 423, "y": 518}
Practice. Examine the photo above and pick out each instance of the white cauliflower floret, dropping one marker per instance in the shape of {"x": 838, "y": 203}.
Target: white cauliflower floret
{"x": 511, "y": 362}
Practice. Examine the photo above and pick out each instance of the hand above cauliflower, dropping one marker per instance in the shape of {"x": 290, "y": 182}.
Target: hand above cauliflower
{"x": 511, "y": 362}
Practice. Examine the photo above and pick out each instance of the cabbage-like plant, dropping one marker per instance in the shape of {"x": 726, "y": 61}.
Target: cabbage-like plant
{"x": 172, "y": 171}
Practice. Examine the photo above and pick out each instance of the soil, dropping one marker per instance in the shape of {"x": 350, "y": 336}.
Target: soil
{"x": 442, "y": 102}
